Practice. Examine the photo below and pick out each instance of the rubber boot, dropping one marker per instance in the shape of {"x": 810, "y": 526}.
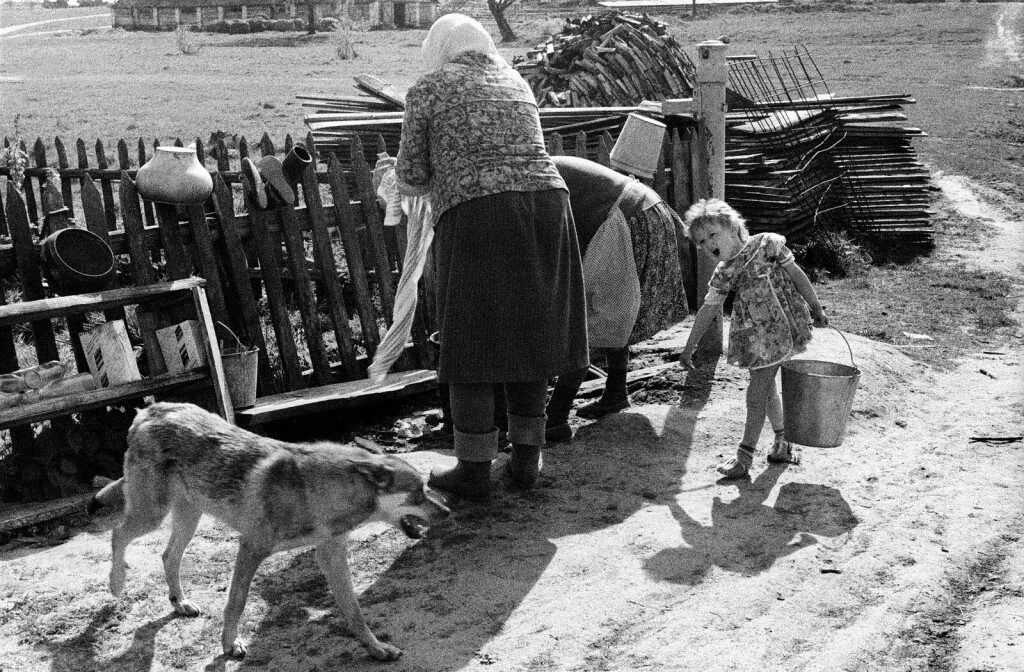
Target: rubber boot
{"x": 470, "y": 478}
{"x": 524, "y": 468}
{"x": 466, "y": 480}
{"x": 560, "y": 404}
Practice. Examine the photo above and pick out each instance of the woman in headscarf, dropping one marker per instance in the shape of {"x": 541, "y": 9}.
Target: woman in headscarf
{"x": 510, "y": 301}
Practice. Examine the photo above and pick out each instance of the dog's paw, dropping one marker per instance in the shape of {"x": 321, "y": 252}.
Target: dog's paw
{"x": 384, "y": 651}
{"x": 236, "y": 649}
{"x": 184, "y": 607}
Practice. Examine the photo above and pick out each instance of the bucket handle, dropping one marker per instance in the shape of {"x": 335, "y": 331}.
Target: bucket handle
{"x": 241, "y": 346}
{"x": 852, "y": 363}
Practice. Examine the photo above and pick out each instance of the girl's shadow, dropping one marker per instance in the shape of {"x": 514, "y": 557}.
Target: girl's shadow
{"x": 747, "y": 537}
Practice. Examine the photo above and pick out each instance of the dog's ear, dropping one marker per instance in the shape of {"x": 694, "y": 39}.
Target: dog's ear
{"x": 379, "y": 474}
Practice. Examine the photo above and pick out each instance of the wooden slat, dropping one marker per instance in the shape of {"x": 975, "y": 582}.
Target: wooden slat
{"x": 303, "y": 289}
{"x": 324, "y": 256}
{"x": 84, "y": 401}
{"x": 65, "y": 184}
{"x": 375, "y": 229}
{"x": 206, "y": 261}
{"x": 106, "y": 189}
{"x": 58, "y": 306}
{"x": 268, "y": 251}
{"x": 18, "y": 516}
{"x": 92, "y": 207}
{"x": 336, "y": 397}
{"x": 238, "y": 271}
{"x": 29, "y": 271}
{"x": 134, "y": 232}
{"x": 348, "y": 228}
{"x": 29, "y": 193}
{"x": 174, "y": 248}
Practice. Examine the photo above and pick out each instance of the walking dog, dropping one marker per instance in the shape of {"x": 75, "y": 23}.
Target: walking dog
{"x": 277, "y": 495}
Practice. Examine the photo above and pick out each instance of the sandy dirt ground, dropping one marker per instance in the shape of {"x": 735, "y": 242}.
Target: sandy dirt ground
{"x": 899, "y": 550}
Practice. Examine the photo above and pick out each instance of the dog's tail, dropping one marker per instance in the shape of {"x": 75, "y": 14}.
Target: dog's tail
{"x": 110, "y": 496}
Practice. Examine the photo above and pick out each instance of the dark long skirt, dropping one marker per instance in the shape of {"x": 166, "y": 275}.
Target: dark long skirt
{"x": 510, "y": 301}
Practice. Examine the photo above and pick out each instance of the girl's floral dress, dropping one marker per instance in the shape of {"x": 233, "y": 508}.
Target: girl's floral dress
{"x": 770, "y": 319}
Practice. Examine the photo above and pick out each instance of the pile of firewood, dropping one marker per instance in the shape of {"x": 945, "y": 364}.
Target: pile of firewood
{"x": 612, "y": 59}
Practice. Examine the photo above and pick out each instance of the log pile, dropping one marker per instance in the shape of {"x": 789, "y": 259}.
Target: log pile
{"x": 612, "y": 59}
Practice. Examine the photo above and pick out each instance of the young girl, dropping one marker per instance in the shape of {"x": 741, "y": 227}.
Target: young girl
{"x": 770, "y": 319}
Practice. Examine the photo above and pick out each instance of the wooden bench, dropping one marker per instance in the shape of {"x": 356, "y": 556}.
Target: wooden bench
{"x": 338, "y": 396}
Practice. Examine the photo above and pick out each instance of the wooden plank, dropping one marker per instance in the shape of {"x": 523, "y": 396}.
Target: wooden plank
{"x": 375, "y": 229}
{"x": 218, "y": 381}
{"x": 303, "y": 288}
{"x": 174, "y": 249}
{"x": 16, "y": 517}
{"x": 268, "y": 251}
{"x": 65, "y": 183}
{"x": 134, "y": 232}
{"x": 324, "y": 256}
{"x": 206, "y": 261}
{"x": 28, "y": 269}
{"x": 92, "y": 207}
{"x": 106, "y": 188}
{"x": 238, "y": 272}
{"x": 29, "y": 198}
{"x": 357, "y": 277}
{"x": 106, "y": 396}
{"x": 338, "y": 396}
{"x": 58, "y": 306}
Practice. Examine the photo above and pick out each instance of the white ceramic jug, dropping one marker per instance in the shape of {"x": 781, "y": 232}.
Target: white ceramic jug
{"x": 174, "y": 175}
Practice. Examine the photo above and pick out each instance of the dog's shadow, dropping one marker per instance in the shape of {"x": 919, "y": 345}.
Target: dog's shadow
{"x": 444, "y": 597}
{"x": 77, "y": 653}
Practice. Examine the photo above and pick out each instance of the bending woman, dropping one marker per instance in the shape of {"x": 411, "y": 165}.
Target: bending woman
{"x": 510, "y": 301}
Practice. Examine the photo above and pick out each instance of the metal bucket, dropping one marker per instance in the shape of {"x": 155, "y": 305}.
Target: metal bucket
{"x": 240, "y": 367}
{"x": 639, "y": 146}
{"x": 817, "y": 398}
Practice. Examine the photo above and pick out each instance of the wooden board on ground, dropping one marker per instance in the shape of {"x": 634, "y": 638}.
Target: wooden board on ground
{"x": 594, "y": 386}
{"x": 335, "y": 397}
{"x": 17, "y": 516}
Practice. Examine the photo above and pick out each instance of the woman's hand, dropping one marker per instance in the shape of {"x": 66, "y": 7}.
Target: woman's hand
{"x": 819, "y": 317}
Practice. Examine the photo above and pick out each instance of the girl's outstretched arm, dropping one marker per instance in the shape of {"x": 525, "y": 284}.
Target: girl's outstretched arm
{"x": 705, "y": 316}
{"x": 803, "y": 285}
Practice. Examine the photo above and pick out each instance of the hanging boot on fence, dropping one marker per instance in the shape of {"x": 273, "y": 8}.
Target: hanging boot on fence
{"x": 470, "y": 478}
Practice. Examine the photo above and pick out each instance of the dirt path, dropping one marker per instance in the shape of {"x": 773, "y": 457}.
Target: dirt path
{"x": 898, "y": 551}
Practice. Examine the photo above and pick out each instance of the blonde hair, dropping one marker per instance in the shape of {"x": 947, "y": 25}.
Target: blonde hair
{"x": 710, "y": 213}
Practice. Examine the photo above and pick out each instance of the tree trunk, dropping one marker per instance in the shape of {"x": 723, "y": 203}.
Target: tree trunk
{"x": 498, "y": 8}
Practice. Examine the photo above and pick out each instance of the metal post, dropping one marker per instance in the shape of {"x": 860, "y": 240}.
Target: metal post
{"x": 709, "y": 168}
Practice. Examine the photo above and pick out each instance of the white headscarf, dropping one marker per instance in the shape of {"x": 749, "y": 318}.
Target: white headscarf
{"x": 455, "y": 34}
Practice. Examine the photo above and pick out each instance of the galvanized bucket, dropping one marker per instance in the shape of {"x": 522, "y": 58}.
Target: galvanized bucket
{"x": 240, "y": 367}
{"x": 817, "y": 398}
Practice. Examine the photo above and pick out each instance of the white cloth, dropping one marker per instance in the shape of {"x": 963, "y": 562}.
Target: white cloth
{"x": 454, "y": 34}
{"x": 612, "y": 284}
{"x": 420, "y": 236}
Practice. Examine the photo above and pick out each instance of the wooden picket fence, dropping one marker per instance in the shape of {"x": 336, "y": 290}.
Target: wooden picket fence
{"x": 326, "y": 255}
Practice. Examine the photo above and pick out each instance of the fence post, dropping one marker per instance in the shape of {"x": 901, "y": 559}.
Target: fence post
{"x": 709, "y": 167}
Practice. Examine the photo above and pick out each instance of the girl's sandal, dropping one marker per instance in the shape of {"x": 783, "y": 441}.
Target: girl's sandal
{"x": 782, "y": 452}
{"x": 739, "y": 466}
